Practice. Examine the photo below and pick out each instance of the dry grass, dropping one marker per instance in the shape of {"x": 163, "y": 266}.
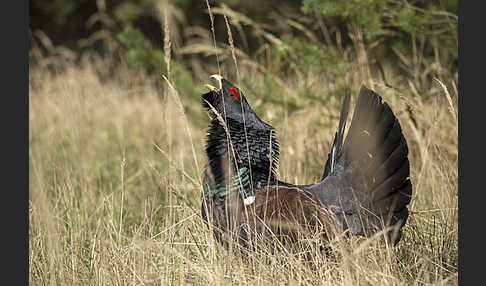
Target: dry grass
{"x": 107, "y": 206}
{"x": 115, "y": 178}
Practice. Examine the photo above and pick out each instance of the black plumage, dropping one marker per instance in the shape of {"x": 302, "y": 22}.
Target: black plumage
{"x": 365, "y": 187}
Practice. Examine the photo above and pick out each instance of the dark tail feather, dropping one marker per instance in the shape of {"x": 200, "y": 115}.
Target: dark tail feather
{"x": 376, "y": 148}
{"x": 338, "y": 138}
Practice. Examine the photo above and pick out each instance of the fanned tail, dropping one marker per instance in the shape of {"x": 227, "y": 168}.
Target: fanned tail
{"x": 338, "y": 137}
{"x": 369, "y": 174}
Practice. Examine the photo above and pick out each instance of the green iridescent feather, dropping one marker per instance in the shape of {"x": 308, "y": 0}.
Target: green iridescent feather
{"x": 240, "y": 182}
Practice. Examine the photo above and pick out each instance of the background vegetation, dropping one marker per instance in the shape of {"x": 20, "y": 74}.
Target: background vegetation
{"x": 117, "y": 131}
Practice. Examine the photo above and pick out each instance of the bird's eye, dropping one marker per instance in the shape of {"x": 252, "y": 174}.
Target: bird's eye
{"x": 235, "y": 92}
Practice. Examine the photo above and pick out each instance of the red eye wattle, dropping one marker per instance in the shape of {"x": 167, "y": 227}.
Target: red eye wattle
{"x": 235, "y": 92}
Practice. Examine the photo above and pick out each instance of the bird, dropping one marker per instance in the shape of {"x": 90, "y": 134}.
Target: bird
{"x": 365, "y": 187}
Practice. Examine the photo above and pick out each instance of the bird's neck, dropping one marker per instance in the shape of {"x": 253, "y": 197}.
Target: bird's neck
{"x": 227, "y": 149}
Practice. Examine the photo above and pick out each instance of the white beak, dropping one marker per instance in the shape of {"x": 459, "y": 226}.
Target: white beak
{"x": 219, "y": 79}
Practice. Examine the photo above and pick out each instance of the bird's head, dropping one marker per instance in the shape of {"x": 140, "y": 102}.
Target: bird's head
{"x": 227, "y": 100}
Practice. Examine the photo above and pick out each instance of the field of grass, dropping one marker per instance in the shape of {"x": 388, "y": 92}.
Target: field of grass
{"x": 115, "y": 183}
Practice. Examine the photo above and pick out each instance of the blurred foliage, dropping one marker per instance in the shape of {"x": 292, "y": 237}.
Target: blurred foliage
{"x": 313, "y": 58}
{"x": 366, "y": 13}
{"x": 304, "y": 40}
{"x": 128, "y": 11}
{"x": 372, "y": 16}
{"x": 141, "y": 54}
{"x": 139, "y": 51}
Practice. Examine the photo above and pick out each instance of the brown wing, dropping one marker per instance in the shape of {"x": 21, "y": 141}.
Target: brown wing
{"x": 286, "y": 213}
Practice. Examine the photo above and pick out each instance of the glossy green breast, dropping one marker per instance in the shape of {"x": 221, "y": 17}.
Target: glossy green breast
{"x": 240, "y": 182}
